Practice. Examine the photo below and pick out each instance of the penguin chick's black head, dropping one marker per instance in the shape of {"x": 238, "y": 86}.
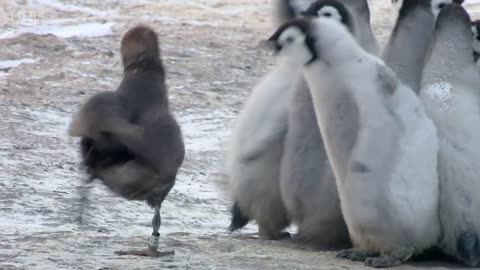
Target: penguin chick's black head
{"x": 438, "y": 5}
{"x": 330, "y": 9}
{"x": 468, "y": 248}
{"x": 453, "y": 18}
{"x": 140, "y": 46}
{"x": 294, "y": 39}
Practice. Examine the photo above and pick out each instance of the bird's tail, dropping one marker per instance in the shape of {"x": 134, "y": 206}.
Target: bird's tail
{"x": 239, "y": 219}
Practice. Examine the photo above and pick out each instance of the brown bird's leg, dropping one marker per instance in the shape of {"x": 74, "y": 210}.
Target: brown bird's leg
{"x": 84, "y": 190}
{"x": 153, "y": 243}
{"x": 156, "y": 222}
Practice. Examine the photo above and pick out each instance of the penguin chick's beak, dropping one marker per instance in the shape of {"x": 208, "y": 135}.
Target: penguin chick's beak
{"x": 270, "y": 45}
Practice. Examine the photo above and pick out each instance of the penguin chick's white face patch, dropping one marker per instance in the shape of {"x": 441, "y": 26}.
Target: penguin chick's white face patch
{"x": 437, "y": 6}
{"x": 291, "y": 45}
{"x": 330, "y": 12}
{"x": 441, "y": 92}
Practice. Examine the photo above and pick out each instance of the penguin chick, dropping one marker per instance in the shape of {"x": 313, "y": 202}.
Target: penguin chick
{"x": 450, "y": 92}
{"x": 414, "y": 30}
{"x": 306, "y": 179}
{"x": 381, "y": 144}
{"x": 399, "y": 7}
{"x": 254, "y": 154}
{"x": 129, "y": 139}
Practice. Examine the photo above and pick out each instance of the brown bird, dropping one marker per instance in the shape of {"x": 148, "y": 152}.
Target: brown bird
{"x": 129, "y": 139}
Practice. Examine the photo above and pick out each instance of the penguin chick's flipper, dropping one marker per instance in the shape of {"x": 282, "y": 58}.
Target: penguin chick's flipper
{"x": 101, "y": 113}
{"x": 239, "y": 220}
{"x": 273, "y": 129}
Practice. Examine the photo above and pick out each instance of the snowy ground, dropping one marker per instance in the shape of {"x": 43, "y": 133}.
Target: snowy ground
{"x": 54, "y": 54}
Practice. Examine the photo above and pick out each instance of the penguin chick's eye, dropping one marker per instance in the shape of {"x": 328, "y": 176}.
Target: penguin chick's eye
{"x": 289, "y": 39}
{"x": 328, "y": 14}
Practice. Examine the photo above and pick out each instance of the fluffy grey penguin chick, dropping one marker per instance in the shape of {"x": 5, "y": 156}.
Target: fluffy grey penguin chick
{"x": 451, "y": 93}
{"x": 255, "y": 151}
{"x": 381, "y": 144}
{"x": 307, "y": 181}
{"x": 413, "y": 29}
{"x": 129, "y": 139}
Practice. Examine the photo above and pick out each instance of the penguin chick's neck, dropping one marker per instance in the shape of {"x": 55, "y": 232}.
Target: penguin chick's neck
{"x": 334, "y": 44}
{"x": 143, "y": 63}
{"x": 413, "y": 29}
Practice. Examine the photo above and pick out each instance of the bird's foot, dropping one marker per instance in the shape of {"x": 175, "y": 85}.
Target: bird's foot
{"x": 356, "y": 255}
{"x": 146, "y": 253}
{"x": 382, "y": 262}
{"x": 154, "y": 240}
{"x": 267, "y": 234}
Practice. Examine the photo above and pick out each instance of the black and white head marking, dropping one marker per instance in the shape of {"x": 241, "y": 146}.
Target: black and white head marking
{"x": 476, "y": 36}
{"x": 330, "y": 9}
{"x": 294, "y": 41}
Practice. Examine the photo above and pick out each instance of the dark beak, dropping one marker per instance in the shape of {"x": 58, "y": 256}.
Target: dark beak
{"x": 269, "y": 44}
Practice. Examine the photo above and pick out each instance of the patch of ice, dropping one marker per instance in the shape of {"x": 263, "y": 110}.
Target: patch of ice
{"x": 73, "y": 8}
{"x": 79, "y": 30}
{"x": 442, "y": 93}
{"x": 53, "y": 123}
{"x": 15, "y": 63}
{"x": 203, "y": 133}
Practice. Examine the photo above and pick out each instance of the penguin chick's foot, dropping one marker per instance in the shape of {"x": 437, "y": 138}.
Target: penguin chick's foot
{"x": 382, "y": 262}
{"x": 146, "y": 253}
{"x": 266, "y": 234}
{"x": 356, "y": 255}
